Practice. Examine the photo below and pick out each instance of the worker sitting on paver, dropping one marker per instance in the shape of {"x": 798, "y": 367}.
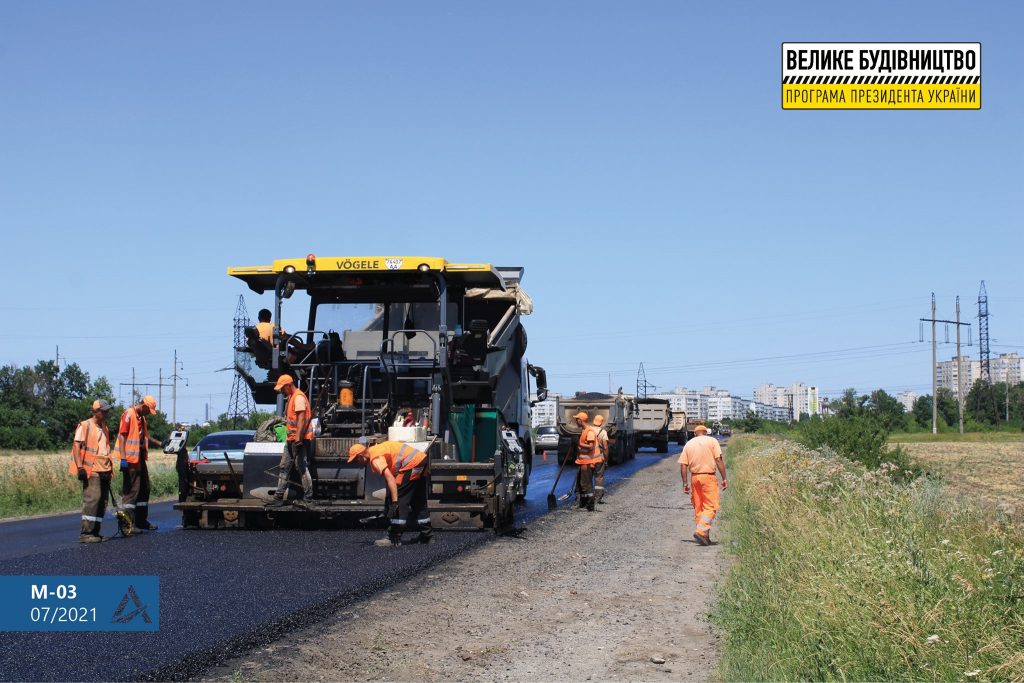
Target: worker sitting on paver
{"x": 404, "y": 469}
{"x": 300, "y": 435}
{"x": 599, "y": 468}
{"x": 133, "y": 441}
{"x": 700, "y": 458}
{"x": 90, "y": 462}
{"x": 588, "y": 455}
{"x": 265, "y": 328}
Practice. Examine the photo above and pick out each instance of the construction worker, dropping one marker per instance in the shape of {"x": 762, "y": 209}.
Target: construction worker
{"x": 404, "y": 469}
{"x": 700, "y": 458}
{"x": 265, "y": 328}
{"x": 588, "y": 455}
{"x": 300, "y": 437}
{"x": 133, "y": 441}
{"x": 599, "y": 468}
{"x": 90, "y": 462}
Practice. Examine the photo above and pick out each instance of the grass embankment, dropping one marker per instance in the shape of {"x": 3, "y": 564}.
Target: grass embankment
{"x": 39, "y": 483}
{"x": 845, "y": 574}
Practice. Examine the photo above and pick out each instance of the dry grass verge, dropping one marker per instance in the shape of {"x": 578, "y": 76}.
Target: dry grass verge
{"x": 36, "y": 483}
{"x": 845, "y": 574}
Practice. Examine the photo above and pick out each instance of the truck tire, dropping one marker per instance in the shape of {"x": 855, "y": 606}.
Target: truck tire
{"x": 663, "y": 445}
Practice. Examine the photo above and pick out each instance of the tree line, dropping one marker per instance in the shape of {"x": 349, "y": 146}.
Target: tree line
{"x": 41, "y": 405}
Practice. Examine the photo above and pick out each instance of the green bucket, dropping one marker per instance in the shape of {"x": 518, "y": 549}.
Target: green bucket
{"x": 281, "y": 432}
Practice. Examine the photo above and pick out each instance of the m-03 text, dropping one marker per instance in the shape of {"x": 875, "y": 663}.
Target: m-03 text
{"x": 60, "y": 592}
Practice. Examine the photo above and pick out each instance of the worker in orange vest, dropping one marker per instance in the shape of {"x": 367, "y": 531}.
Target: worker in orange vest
{"x": 599, "y": 468}
{"x": 405, "y": 471}
{"x": 90, "y": 462}
{"x": 701, "y": 456}
{"x": 588, "y": 455}
{"x": 296, "y": 454}
{"x": 133, "y": 441}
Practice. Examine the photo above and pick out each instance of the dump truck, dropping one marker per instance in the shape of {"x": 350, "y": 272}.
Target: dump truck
{"x": 403, "y": 348}
{"x": 677, "y": 426}
{"x": 619, "y": 413}
{"x": 651, "y": 423}
{"x": 691, "y": 423}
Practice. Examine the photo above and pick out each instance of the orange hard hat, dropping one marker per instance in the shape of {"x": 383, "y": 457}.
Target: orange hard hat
{"x": 598, "y": 420}
{"x": 356, "y": 450}
{"x": 283, "y": 380}
{"x": 700, "y": 428}
{"x": 581, "y": 416}
{"x": 150, "y": 403}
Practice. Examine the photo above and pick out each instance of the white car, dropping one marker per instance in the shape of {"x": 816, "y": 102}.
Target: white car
{"x": 546, "y": 439}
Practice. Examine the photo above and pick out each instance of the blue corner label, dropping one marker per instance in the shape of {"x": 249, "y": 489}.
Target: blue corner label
{"x": 80, "y": 603}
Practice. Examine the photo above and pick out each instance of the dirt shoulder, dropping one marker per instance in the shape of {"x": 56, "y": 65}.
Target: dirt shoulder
{"x": 577, "y": 596}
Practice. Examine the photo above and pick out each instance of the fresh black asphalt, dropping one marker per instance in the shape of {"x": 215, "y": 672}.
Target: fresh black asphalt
{"x": 222, "y": 592}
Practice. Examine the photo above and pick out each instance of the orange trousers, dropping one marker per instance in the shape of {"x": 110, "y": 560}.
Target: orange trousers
{"x": 704, "y": 495}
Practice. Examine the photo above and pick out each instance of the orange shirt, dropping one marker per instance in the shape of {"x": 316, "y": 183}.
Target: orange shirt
{"x": 398, "y": 457}
{"x": 699, "y": 454}
{"x": 266, "y": 332}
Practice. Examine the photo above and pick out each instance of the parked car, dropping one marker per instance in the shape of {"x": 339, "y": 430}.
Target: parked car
{"x": 217, "y": 462}
{"x": 546, "y": 439}
{"x": 213, "y": 447}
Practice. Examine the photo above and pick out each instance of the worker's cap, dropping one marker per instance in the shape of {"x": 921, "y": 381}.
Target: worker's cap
{"x": 150, "y": 403}
{"x": 100, "y": 404}
{"x": 581, "y": 416}
{"x": 598, "y": 420}
{"x": 357, "y": 449}
{"x": 283, "y": 380}
{"x": 700, "y": 428}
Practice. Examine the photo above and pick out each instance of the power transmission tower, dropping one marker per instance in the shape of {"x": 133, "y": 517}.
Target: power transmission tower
{"x": 241, "y": 406}
{"x": 642, "y": 385}
{"x": 983, "y": 352}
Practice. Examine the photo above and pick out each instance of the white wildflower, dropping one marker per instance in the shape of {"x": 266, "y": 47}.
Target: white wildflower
{"x": 945, "y": 541}
{"x": 972, "y": 674}
{"x": 933, "y": 638}
{"x": 997, "y": 553}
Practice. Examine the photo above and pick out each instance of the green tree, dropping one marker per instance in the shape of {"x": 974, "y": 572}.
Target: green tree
{"x": 887, "y": 409}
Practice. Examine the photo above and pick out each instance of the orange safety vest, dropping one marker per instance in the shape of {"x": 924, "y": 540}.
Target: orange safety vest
{"x": 291, "y": 418}
{"x": 589, "y": 452}
{"x": 404, "y": 461}
{"x": 137, "y": 441}
{"x": 92, "y": 459}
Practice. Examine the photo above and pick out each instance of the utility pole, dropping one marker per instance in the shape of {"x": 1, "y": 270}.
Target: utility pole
{"x": 174, "y": 388}
{"x": 959, "y": 371}
{"x": 133, "y": 385}
{"x": 160, "y": 390}
{"x": 935, "y": 365}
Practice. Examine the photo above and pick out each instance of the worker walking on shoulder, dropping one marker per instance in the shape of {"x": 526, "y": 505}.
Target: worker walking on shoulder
{"x": 588, "y": 455}
{"x": 599, "y": 468}
{"x": 701, "y": 456}
{"x": 133, "y": 441}
{"x": 300, "y": 438}
{"x": 90, "y": 462}
{"x": 404, "y": 469}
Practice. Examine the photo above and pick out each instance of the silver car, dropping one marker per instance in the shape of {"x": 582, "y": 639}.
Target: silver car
{"x": 546, "y": 439}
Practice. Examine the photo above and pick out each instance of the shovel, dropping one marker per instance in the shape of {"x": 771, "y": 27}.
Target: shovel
{"x": 124, "y": 520}
{"x": 552, "y": 500}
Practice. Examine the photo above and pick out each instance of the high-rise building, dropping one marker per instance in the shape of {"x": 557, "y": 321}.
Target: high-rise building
{"x": 907, "y": 398}
{"x": 947, "y": 374}
{"x": 545, "y": 413}
{"x": 1008, "y": 367}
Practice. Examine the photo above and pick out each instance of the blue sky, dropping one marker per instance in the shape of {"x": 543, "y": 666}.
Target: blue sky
{"x": 632, "y": 156}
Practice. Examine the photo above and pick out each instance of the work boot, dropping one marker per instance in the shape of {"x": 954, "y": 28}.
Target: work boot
{"x": 136, "y": 531}
{"x": 387, "y": 542}
{"x": 590, "y": 505}
{"x": 425, "y": 539}
{"x": 91, "y": 538}
{"x": 703, "y": 539}
{"x": 275, "y": 503}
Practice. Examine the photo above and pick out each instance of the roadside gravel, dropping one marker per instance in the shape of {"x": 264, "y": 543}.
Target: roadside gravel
{"x": 619, "y": 594}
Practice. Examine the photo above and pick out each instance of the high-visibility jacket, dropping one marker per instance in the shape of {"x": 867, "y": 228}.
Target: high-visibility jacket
{"x": 136, "y": 442}
{"x": 291, "y": 417}
{"x": 95, "y": 449}
{"x": 404, "y": 461}
{"x": 589, "y": 447}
